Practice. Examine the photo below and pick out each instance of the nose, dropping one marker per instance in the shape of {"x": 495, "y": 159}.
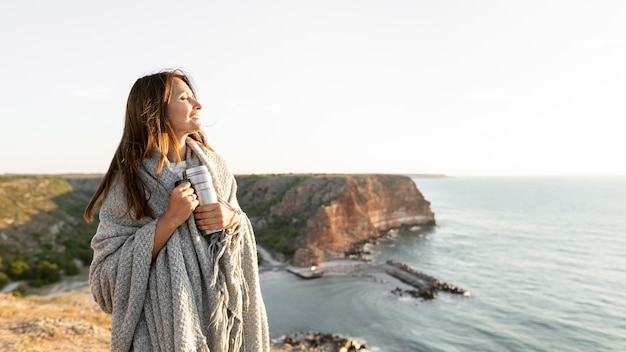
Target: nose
{"x": 197, "y": 105}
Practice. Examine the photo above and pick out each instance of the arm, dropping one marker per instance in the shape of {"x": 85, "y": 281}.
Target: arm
{"x": 124, "y": 247}
{"x": 182, "y": 203}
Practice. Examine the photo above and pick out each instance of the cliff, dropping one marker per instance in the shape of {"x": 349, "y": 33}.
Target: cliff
{"x": 321, "y": 217}
{"x": 308, "y": 218}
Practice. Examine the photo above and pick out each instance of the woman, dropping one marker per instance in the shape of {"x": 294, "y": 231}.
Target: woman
{"x": 168, "y": 286}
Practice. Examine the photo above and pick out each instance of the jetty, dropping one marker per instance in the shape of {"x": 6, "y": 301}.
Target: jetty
{"x": 311, "y": 272}
{"x": 425, "y": 285}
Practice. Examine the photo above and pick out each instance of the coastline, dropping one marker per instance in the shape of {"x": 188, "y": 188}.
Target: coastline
{"x": 63, "y": 316}
{"x": 63, "y": 306}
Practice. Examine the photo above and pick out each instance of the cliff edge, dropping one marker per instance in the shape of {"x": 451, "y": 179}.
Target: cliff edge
{"x": 320, "y": 217}
{"x": 305, "y": 218}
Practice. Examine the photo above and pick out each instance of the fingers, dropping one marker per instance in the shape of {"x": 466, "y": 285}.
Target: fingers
{"x": 187, "y": 191}
{"x": 184, "y": 196}
{"x": 212, "y": 217}
{"x": 208, "y": 208}
{"x": 184, "y": 190}
{"x": 182, "y": 203}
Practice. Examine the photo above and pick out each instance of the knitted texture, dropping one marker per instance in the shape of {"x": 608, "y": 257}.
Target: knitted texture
{"x": 201, "y": 293}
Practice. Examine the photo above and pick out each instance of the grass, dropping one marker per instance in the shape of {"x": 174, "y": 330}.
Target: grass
{"x": 68, "y": 322}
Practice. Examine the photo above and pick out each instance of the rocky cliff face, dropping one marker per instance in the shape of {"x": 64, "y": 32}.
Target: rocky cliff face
{"x": 320, "y": 217}
{"x": 309, "y": 218}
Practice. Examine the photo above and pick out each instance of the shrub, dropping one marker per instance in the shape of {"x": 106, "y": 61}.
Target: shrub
{"x": 47, "y": 272}
{"x": 18, "y": 269}
{"x": 85, "y": 256}
{"x": 71, "y": 269}
{"x": 20, "y": 290}
{"x": 4, "y": 280}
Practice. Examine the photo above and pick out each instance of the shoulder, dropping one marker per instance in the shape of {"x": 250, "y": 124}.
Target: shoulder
{"x": 211, "y": 155}
{"x": 115, "y": 205}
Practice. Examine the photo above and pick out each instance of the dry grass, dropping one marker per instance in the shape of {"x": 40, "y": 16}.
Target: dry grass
{"x": 69, "y": 322}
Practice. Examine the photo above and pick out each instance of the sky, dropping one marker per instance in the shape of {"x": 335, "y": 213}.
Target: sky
{"x": 461, "y": 88}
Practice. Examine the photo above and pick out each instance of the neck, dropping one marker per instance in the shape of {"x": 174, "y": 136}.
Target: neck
{"x": 182, "y": 151}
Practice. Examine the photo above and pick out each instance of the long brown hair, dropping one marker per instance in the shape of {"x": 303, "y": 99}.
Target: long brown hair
{"x": 146, "y": 129}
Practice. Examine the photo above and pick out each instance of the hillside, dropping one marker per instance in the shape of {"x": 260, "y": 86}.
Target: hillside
{"x": 305, "y": 219}
{"x": 42, "y": 231}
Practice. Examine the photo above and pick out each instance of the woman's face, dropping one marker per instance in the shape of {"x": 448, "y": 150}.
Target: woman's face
{"x": 183, "y": 110}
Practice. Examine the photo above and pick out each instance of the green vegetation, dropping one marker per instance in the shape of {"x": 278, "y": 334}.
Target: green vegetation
{"x": 46, "y": 273}
{"x": 4, "y": 280}
{"x": 263, "y": 208}
{"x": 19, "y": 269}
{"x": 281, "y": 234}
{"x": 43, "y": 232}
{"x": 245, "y": 183}
{"x": 71, "y": 269}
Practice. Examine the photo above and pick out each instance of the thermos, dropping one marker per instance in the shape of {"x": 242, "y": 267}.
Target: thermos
{"x": 202, "y": 184}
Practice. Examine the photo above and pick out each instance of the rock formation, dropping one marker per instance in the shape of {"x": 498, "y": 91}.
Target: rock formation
{"x": 425, "y": 285}
{"x": 316, "y": 342}
{"x": 321, "y": 217}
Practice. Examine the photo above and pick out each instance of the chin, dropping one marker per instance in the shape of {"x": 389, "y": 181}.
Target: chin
{"x": 196, "y": 127}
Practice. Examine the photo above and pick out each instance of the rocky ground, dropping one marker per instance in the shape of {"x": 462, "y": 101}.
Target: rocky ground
{"x": 69, "y": 322}
{"x": 316, "y": 342}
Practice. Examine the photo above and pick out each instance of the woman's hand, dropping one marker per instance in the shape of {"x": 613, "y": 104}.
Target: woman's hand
{"x": 182, "y": 203}
{"x": 215, "y": 217}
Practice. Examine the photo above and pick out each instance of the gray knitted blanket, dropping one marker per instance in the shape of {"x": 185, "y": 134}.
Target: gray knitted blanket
{"x": 201, "y": 293}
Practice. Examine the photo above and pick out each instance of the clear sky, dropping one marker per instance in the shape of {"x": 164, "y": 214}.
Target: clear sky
{"x": 349, "y": 86}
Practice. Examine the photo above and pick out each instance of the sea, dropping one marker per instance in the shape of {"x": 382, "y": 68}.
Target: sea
{"x": 543, "y": 257}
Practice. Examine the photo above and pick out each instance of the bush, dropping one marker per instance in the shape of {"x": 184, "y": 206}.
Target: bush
{"x": 85, "y": 256}
{"x": 71, "y": 269}
{"x": 47, "y": 272}
{"x": 35, "y": 283}
{"x": 18, "y": 269}
{"x": 20, "y": 290}
{"x": 4, "y": 280}
{"x": 79, "y": 249}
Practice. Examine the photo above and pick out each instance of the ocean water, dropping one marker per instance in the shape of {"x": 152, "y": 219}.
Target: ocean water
{"x": 544, "y": 259}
